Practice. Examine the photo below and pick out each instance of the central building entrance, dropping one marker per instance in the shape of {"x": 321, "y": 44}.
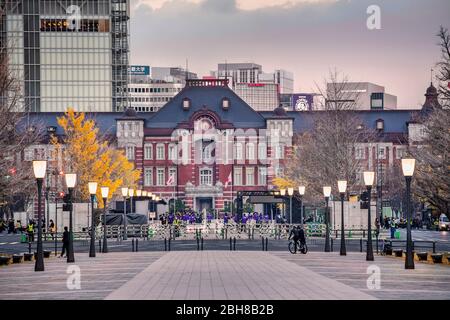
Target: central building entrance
{"x": 204, "y": 203}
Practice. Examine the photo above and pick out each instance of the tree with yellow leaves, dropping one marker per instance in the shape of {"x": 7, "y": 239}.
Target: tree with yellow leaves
{"x": 92, "y": 159}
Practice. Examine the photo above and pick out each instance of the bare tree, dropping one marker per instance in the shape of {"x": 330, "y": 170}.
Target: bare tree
{"x": 326, "y": 153}
{"x": 16, "y": 134}
{"x": 433, "y": 155}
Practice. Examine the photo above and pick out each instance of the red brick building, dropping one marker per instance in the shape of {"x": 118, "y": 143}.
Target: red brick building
{"x": 206, "y": 145}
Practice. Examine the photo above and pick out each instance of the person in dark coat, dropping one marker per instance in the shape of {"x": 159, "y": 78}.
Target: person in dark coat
{"x": 65, "y": 241}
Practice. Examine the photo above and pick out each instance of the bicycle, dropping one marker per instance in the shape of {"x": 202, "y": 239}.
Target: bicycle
{"x": 303, "y": 248}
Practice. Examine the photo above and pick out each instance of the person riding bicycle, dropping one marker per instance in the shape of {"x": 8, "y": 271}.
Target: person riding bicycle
{"x": 298, "y": 234}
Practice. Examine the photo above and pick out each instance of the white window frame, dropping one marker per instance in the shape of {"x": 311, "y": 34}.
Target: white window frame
{"x": 249, "y": 173}
{"x": 148, "y": 155}
{"x": 238, "y": 151}
{"x": 360, "y": 153}
{"x": 173, "y": 172}
{"x": 250, "y": 151}
{"x": 383, "y": 151}
{"x": 279, "y": 151}
{"x": 237, "y": 179}
{"x": 262, "y": 151}
{"x": 148, "y": 176}
{"x": 262, "y": 176}
{"x": 206, "y": 177}
{"x": 160, "y": 156}
{"x": 172, "y": 152}
{"x": 162, "y": 181}
{"x": 130, "y": 152}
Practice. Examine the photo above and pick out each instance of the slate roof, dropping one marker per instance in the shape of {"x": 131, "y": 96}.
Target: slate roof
{"x": 240, "y": 114}
{"x": 394, "y": 120}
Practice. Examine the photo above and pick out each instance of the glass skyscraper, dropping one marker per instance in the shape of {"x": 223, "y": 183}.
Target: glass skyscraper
{"x": 68, "y": 53}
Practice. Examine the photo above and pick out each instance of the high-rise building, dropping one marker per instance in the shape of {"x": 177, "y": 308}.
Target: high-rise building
{"x": 259, "y": 96}
{"x": 284, "y": 79}
{"x": 151, "y": 88}
{"x": 238, "y": 72}
{"x": 68, "y": 53}
{"x": 363, "y": 95}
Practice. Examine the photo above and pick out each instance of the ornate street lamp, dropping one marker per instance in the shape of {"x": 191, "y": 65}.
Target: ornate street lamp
{"x": 408, "y": 171}
{"x": 92, "y": 191}
{"x": 290, "y": 193}
{"x": 39, "y": 169}
{"x": 71, "y": 180}
{"x": 342, "y": 186}
{"x": 105, "y": 192}
{"x": 124, "y": 195}
{"x": 368, "y": 181}
{"x": 301, "y": 192}
{"x": 327, "y": 194}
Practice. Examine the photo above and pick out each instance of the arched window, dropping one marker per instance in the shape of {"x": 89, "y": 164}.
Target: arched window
{"x": 250, "y": 151}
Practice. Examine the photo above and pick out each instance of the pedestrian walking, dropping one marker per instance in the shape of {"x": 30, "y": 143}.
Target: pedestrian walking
{"x": 30, "y": 231}
{"x": 52, "y": 229}
{"x": 393, "y": 229}
{"x": 65, "y": 241}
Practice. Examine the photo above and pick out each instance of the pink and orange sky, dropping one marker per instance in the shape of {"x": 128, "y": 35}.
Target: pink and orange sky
{"x": 307, "y": 37}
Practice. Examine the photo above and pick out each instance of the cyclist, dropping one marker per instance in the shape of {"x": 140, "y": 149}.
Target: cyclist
{"x": 298, "y": 234}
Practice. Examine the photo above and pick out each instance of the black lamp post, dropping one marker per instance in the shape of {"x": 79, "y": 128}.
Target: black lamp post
{"x": 131, "y": 194}
{"x": 105, "y": 192}
{"x": 301, "y": 192}
{"x": 327, "y": 193}
{"x": 283, "y": 194}
{"x": 124, "y": 195}
{"x": 92, "y": 191}
{"x": 342, "y": 186}
{"x": 368, "y": 181}
{"x": 71, "y": 179}
{"x": 290, "y": 193}
{"x": 408, "y": 170}
{"x": 39, "y": 168}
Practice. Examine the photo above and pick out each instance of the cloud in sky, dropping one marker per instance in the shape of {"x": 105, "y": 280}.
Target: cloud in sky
{"x": 307, "y": 37}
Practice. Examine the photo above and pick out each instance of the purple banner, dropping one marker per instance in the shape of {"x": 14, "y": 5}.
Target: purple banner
{"x": 302, "y": 101}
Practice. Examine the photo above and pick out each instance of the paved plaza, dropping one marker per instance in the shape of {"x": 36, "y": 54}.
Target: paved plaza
{"x": 240, "y": 275}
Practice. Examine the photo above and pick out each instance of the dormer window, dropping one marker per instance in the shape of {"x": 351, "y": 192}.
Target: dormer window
{"x": 225, "y": 103}
{"x": 359, "y": 127}
{"x": 51, "y": 129}
{"x": 380, "y": 124}
{"x": 186, "y": 103}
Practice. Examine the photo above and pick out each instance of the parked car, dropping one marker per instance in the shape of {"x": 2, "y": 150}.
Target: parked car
{"x": 444, "y": 223}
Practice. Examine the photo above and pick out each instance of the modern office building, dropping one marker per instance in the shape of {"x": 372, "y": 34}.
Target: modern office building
{"x": 238, "y": 72}
{"x": 364, "y": 95}
{"x": 284, "y": 79}
{"x": 68, "y": 53}
{"x": 151, "y": 88}
{"x": 259, "y": 96}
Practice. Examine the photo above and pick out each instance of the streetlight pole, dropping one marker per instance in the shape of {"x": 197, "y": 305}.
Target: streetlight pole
{"x": 342, "y": 186}
{"x": 408, "y": 170}
{"x": 368, "y": 181}
{"x": 327, "y": 193}
{"x": 105, "y": 191}
{"x": 283, "y": 194}
{"x": 290, "y": 193}
{"x": 301, "y": 192}
{"x": 39, "y": 168}
{"x": 71, "y": 179}
{"x": 124, "y": 194}
{"x": 131, "y": 194}
{"x": 92, "y": 191}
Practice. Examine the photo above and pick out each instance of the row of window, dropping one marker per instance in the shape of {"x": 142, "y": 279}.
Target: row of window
{"x": 360, "y": 153}
{"x": 153, "y": 90}
{"x": 243, "y": 176}
{"x": 151, "y": 99}
{"x": 250, "y": 152}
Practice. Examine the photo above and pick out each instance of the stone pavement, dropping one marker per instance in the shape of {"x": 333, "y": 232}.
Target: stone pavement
{"x": 426, "y": 281}
{"x": 240, "y": 275}
{"x": 99, "y": 276}
{"x": 237, "y": 275}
